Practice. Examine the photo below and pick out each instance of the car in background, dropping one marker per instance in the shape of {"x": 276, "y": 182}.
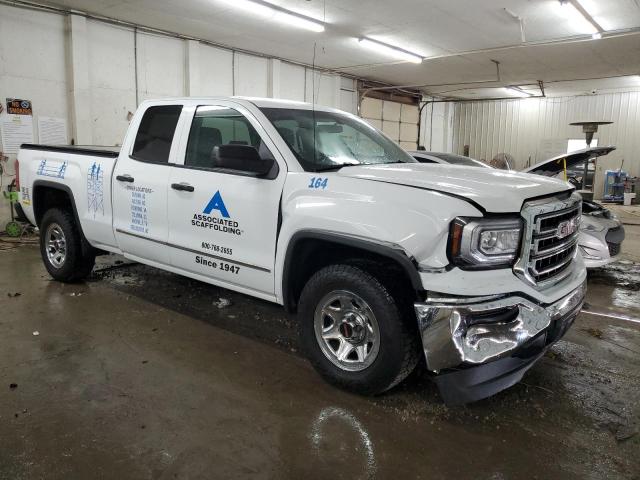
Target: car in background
{"x": 601, "y": 233}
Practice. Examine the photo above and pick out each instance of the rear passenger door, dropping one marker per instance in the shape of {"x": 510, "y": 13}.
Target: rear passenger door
{"x": 224, "y": 223}
{"x": 140, "y": 186}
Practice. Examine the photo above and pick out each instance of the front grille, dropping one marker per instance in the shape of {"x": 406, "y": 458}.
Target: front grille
{"x": 614, "y": 248}
{"x": 550, "y": 240}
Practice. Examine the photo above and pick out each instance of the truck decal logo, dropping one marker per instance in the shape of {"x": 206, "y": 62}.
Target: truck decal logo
{"x": 95, "y": 189}
{"x": 224, "y": 224}
{"x": 216, "y": 203}
{"x": 140, "y": 197}
{"x": 52, "y": 169}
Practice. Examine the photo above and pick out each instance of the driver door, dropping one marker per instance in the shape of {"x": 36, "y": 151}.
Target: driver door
{"x": 223, "y": 223}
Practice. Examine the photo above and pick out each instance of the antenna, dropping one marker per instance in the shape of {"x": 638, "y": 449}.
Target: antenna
{"x": 313, "y": 100}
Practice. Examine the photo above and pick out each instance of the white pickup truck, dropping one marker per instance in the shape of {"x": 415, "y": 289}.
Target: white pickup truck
{"x": 380, "y": 257}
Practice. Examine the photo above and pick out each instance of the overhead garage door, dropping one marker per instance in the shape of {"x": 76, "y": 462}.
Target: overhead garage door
{"x": 399, "y": 121}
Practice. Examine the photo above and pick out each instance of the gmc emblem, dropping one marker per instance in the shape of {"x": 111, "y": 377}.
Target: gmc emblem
{"x": 566, "y": 228}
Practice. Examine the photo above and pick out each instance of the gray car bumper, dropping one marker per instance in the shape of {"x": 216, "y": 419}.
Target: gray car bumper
{"x": 489, "y": 336}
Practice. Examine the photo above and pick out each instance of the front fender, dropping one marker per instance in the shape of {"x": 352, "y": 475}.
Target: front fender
{"x": 399, "y": 218}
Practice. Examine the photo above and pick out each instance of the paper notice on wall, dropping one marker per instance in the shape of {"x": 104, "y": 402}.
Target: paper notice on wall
{"x": 15, "y": 130}
{"x": 52, "y": 131}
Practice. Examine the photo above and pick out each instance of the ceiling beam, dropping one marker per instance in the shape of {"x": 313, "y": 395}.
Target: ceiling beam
{"x": 578, "y": 6}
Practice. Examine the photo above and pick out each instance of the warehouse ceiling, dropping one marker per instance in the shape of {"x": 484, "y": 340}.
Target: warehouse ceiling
{"x": 531, "y": 39}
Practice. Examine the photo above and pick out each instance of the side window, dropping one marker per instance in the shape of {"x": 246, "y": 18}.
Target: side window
{"x": 215, "y": 126}
{"x": 155, "y": 133}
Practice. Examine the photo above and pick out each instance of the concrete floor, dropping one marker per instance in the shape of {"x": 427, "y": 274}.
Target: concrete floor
{"x": 139, "y": 374}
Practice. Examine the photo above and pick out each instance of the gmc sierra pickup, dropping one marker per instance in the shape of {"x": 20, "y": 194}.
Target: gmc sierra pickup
{"x": 381, "y": 258}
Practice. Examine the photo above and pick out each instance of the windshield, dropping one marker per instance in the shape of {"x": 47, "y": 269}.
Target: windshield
{"x": 458, "y": 159}
{"x": 340, "y": 140}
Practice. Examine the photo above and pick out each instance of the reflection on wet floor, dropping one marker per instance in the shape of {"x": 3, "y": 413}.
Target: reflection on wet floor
{"x": 331, "y": 436}
{"x": 131, "y": 378}
{"x": 616, "y": 285}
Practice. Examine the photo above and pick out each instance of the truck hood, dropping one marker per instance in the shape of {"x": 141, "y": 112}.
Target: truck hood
{"x": 494, "y": 190}
{"x": 555, "y": 165}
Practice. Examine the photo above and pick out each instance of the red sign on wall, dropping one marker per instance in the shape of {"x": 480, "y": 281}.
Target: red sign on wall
{"x": 16, "y": 106}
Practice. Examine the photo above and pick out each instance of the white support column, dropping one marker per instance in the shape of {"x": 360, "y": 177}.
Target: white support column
{"x": 78, "y": 64}
{"x": 274, "y": 78}
{"x": 336, "y": 86}
{"x": 193, "y": 68}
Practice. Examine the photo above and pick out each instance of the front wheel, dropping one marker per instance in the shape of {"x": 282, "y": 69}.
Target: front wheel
{"x": 61, "y": 247}
{"x": 355, "y": 333}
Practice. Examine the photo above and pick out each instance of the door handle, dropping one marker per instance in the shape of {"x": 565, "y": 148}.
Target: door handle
{"x": 124, "y": 178}
{"x": 183, "y": 187}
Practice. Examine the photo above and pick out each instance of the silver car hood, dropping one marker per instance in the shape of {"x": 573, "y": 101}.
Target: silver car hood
{"x": 555, "y": 165}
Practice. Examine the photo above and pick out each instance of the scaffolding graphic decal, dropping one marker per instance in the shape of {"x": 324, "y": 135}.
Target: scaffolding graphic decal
{"x": 95, "y": 190}
{"x": 52, "y": 169}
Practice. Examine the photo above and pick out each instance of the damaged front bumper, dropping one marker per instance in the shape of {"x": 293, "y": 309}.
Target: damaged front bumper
{"x": 479, "y": 346}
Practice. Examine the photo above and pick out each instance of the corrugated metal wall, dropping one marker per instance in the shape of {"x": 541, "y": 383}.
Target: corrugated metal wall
{"x": 535, "y": 129}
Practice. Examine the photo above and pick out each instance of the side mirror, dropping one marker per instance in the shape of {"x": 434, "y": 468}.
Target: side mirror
{"x": 244, "y": 158}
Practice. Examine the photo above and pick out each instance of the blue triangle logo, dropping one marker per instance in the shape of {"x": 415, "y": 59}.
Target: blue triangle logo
{"x": 216, "y": 203}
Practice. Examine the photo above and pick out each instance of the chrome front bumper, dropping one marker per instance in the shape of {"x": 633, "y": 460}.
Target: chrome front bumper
{"x": 466, "y": 331}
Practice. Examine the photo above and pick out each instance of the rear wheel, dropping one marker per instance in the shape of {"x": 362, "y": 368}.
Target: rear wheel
{"x": 355, "y": 333}
{"x": 61, "y": 247}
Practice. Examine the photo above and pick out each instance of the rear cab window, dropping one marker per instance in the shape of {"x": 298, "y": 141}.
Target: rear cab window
{"x": 155, "y": 134}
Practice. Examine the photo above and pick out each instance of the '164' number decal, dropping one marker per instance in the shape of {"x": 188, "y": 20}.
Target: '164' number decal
{"x": 317, "y": 182}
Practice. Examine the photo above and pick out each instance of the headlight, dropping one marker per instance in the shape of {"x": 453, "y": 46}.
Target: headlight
{"x": 484, "y": 243}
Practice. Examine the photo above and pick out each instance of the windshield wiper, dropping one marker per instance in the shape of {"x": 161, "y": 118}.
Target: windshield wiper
{"x": 337, "y": 166}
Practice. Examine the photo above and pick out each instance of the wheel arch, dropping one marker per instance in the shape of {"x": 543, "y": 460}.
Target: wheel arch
{"x": 47, "y": 195}
{"x": 310, "y": 250}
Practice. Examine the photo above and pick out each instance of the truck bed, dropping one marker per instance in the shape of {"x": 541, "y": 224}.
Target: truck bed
{"x": 84, "y": 172}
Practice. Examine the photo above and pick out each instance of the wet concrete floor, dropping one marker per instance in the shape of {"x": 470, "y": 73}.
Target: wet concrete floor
{"x": 140, "y": 374}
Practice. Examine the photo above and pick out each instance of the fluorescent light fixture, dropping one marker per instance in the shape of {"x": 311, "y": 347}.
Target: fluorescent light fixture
{"x": 577, "y": 20}
{"x": 276, "y": 13}
{"x": 517, "y": 92}
{"x": 389, "y": 50}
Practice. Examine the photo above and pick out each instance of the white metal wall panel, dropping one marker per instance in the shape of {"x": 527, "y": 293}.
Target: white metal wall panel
{"x": 327, "y": 89}
{"x": 348, "y": 95}
{"x": 161, "y": 66}
{"x": 215, "y": 71}
{"x": 112, "y": 92}
{"x": 292, "y": 81}
{"x": 525, "y": 128}
{"x": 32, "y": 61}
{"x": 251, "y": 75}
{"x": 38, "y": 74}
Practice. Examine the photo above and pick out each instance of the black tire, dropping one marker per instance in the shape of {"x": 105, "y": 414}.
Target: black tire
{"x": 78, "y": 262}
{"x": 398, "y": 351}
